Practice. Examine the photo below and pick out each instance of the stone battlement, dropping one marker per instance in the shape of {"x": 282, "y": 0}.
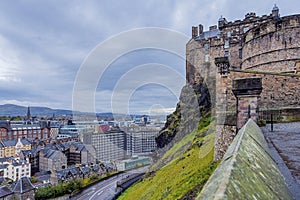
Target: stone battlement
{"x": 265, "y": 45}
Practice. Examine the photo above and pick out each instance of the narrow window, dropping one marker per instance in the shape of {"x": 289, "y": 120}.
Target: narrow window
{"x": 240, "y": 53}
{"x": 226, "y": 45}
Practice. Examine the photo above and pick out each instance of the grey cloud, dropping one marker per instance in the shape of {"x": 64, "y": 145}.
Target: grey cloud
{"x": 43, "y": 43}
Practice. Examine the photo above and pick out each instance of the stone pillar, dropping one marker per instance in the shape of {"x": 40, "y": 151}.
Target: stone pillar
{"x": 247, "y": 92}
{"x": 225, "y": 121}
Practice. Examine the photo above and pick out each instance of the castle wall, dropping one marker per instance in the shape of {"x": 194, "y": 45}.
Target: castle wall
{"x": 273, "y": 46}
{"x": 260, "y": 44}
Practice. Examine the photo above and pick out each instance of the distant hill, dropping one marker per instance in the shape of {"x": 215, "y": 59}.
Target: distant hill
{"x": 15, "y": 110}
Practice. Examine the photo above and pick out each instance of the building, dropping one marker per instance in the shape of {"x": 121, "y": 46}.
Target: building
{"x": 51, "y": 160}
{"x": 46, "y": 156}
{"x": 13, "y": 131}
{"x": 79, "y": 153}
{"x": 73, "y": 131}
{"x": 23, "y": 189}
{"x": 109, "y": 145}
{"x": 133, "y": 163}
{"x": 141, "y": 140}
{"x": 54, "y": 128}
{"x": 2, "y": 150}
{"x": 34, "y": 159}
{"x": 6, "y": 193}
{"x": 12, "y": 148}
{"x": 14, "y": 169}
{"x": 267, "y": 47}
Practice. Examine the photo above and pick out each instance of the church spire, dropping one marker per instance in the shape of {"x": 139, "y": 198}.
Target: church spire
{"x": 28, "y": 114}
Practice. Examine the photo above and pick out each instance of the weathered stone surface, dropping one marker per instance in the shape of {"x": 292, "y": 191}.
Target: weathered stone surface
{"x": 260, "y": 44}
{"x": 247, "y": 170}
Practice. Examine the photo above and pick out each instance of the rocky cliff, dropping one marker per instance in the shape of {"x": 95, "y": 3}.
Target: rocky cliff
{"x": 194, "y": 101}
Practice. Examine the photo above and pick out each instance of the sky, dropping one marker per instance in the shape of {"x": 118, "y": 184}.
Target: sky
{"x": 47, "y": 49}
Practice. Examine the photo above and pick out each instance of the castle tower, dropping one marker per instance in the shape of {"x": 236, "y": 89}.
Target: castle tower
{"x": 275, "y": 11}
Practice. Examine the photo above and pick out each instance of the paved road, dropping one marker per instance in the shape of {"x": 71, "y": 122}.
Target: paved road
{"x": 284, "y": 141}
{"x": 105, "y": 190}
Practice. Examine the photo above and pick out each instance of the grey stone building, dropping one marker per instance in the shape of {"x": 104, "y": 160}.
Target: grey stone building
{"x": 50, "y": 160}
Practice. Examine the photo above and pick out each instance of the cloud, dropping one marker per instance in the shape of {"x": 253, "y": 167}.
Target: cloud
{"x": 44, "y": 43}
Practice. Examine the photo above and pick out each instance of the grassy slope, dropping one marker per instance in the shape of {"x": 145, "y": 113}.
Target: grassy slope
{"x": 182, "y": 177}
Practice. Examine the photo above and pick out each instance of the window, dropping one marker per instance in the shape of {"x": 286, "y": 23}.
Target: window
{"x": 226, "y": 54}
{"x": 206, "y": 47}
{"x": 206, "y": 58}
{"x": 226, "y": 45}
{"x": 228, "y": 34}
{"x": 245, "y": 29}
{"x": 240, "y": 53}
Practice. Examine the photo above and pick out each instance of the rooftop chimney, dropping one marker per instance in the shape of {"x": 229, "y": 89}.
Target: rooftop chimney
{"x": 194, "y": 31}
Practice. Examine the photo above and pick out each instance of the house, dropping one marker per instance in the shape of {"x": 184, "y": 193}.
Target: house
{"x": 13, "y": 169}
{"x": 33, "y": 156}
{"x": 14, "y": 147}
{"x": 24, "y": 189}
{"x": 5, "y": 193}
{"x": 44, "y": 178}
{"x": 81, "y": 153}
{"x": 51, "y": 160}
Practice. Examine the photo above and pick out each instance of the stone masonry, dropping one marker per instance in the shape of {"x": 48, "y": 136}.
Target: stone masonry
{"x": 265, "y": 44}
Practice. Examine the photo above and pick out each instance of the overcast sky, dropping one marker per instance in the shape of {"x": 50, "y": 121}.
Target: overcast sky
{"x": 43, "y": 44}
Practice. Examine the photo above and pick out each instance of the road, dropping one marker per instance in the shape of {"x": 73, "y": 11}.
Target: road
{"x": 284, "y": 142}
{"x": 105, "y": 190}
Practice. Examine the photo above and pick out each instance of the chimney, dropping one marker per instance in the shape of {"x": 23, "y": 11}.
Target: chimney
{"x": 194, "y": 31}
{"x": 200, "y": 29}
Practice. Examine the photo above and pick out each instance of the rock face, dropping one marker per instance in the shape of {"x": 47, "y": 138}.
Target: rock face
{"x": 194, "y": 101}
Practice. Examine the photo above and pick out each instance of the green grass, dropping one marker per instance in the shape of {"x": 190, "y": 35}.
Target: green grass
{"x": 184, "y": 176}
{"x": 69, "y": 187}
{"x": 178, "y": 148}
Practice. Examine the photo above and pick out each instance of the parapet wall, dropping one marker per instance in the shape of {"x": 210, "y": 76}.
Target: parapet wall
{"x": 247, "y": 170}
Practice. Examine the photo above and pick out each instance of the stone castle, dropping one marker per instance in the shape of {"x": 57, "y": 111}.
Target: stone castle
{"x": 252, "y": 68}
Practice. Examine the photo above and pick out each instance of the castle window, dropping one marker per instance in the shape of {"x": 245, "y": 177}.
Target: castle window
{"x": 206, "y": 47}
{"x": 226, "y": 45}
{"x": 257, "y": 32}
{"x": 206, "y": 58}
{"x": 228, "y": 34}
{"x": 245, "y": 29}
{"x": 240, "y": 53}
{"x": 226, "y": 54}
